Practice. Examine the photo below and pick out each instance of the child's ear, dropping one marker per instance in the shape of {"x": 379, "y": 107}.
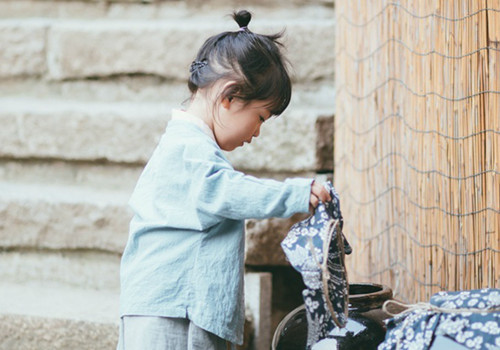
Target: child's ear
{"x": 228, "y": 90}
{"x": 226, "y": 102}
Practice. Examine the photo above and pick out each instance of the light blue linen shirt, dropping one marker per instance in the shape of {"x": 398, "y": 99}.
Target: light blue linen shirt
{"x": 185, "y": 252}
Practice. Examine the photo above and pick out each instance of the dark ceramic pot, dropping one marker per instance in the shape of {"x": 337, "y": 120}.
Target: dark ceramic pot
{"x": 364, "y": 330}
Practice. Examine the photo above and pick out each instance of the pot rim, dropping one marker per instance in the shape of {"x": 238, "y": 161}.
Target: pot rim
{"x": 370, "y": 300}
{"x": 365, "y": 301}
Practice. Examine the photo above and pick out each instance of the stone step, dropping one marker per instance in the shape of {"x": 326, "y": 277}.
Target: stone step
{"x": 153, "y": 9}
{"x": 79, "y": 221}
{"x": 123, "y": 132}
{"x": 144, "y": 89}
{"x": 84, "y": 269}
{"x": 110, "y": 176}
{"x": 40, "y": 315}
{"x": 99, "y": 270}
{"x": 35, "y": 216}
{"x": 43, "y": 317}
{"x": 61, "y": 49}
{"x": 76, "y": 130}
{"x": 59, "y": 301}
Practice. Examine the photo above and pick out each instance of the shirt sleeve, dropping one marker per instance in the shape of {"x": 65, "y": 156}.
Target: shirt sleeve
{"x": 222, "y": 192}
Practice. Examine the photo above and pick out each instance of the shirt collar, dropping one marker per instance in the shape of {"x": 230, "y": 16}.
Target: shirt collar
{"x": 178, "y": 114}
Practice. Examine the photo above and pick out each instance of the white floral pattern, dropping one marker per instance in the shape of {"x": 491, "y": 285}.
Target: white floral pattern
{"x": 474, "y": 330}
{"x": 303, "y": 247}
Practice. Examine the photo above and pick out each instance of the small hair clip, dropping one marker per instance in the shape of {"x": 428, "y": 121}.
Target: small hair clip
{"x": 197, "y": 65}
{"x": 243, "y": 29}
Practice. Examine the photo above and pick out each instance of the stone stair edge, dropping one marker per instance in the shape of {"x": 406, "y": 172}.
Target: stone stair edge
{"x": 74, "y": 220}
{"x": 43, "y": 316}
{"x": 62, "y": 50}
{"x": 55, "y": 217}
{"x": 203, "y": 22}
{"x": 59, "y": 301}
{"x": 127, "y": 133}
{"x": 89, "y": 269}
{"x": 22, "y": 332}
{"x": 46, "y": 105}
{"x": 108, "y": 176}
{"x": 88, "y": 193}
{"x": 65, "y": 193}
{"x": 34, "y": 104}
{"x": 44, "y": 298}
{"x": 78, "y": 10}
{"x": 135, "y": 91}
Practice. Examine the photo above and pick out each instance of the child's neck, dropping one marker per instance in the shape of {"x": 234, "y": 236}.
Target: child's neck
{"x": 200, "y": 109}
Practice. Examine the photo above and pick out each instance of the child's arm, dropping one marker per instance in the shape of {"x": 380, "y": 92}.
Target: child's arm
{"x": 201, "y": 189}
{"x": 226, "y": 193}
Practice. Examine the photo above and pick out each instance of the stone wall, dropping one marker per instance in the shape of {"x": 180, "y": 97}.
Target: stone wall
{"x": 86, "y": 89}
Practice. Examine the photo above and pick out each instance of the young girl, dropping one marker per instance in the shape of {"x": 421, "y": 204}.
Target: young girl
{"x": 182, "y": 269}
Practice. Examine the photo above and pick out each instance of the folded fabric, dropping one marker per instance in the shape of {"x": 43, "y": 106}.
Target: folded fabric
{"x": 470, "y": 318}
{"x": 315, "y": 247}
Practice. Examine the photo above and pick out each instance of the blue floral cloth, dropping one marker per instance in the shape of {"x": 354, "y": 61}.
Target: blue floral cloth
{"x": 473, "y": 329}
{"x": 306, "y": 245}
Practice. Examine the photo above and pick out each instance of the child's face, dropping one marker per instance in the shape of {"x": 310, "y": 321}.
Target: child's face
{"x": 238, "y": 122}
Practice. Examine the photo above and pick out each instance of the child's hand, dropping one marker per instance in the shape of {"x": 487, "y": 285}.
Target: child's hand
{"x": 318, "y": 193}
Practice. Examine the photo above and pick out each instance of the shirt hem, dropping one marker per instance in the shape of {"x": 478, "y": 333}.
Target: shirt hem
{"x": 223, "y": 332}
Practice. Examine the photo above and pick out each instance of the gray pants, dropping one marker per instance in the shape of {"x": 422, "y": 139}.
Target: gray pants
{"x": 162, "y": 333}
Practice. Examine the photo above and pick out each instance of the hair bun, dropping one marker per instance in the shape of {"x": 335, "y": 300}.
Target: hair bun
{"x": 242, "y": 17}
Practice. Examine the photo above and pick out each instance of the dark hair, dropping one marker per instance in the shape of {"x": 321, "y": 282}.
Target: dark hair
{"x": 253, "y": 61}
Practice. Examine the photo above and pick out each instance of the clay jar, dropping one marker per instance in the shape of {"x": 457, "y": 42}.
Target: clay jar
{"x": 365, "y": 328}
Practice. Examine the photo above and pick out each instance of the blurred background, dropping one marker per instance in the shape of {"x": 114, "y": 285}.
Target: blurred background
{"x": 86, "y": 90}
{"x": 397, "y": 102}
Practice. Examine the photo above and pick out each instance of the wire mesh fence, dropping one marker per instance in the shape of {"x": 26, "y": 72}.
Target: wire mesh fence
{"x": 417, "y": 142}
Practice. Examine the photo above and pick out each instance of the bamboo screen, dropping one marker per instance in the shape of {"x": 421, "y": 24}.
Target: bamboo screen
{"x": 417, "y": 142}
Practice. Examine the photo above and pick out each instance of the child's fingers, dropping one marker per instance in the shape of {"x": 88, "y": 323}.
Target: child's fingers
{"x": 313, "y": 200}
{"x": 320, "y": 192}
